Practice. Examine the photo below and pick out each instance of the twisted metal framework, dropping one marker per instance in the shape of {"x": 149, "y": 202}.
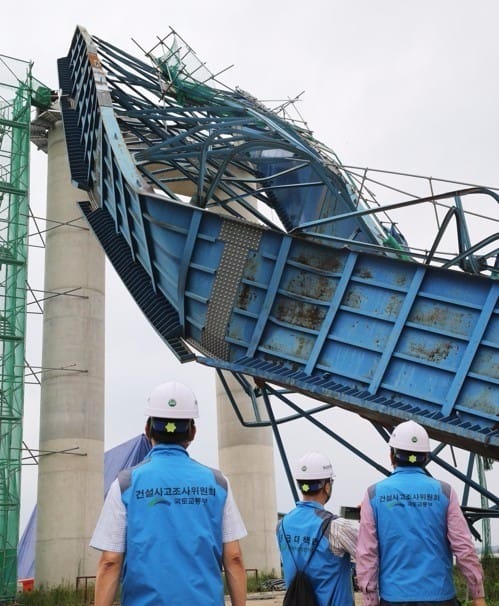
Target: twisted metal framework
{"x": 193, "y": 138}
{"x": 244, "y": 238}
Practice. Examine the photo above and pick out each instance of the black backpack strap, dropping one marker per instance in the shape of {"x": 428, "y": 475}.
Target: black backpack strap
{"x": 325, "y": 524}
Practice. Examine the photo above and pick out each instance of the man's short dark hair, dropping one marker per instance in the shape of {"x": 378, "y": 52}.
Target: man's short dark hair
{"x": 406, "y": 458}
{"x": 312, "y": 486}
{"x": 169, "y": 431}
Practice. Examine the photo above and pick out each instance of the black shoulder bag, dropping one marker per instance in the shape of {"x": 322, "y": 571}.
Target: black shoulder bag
{"x": 300, "y": 591}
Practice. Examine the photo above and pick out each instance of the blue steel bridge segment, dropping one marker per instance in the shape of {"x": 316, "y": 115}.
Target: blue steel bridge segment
{"x": 324, "y": 300}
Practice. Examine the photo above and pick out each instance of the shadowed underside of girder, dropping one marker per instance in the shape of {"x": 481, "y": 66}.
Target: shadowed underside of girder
{"x": 365, "y": 326}
{"x": 155, "y": 307}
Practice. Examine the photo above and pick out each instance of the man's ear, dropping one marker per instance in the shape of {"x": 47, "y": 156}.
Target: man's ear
{"x": 192, "y": 430}
{"x": 393, "y": 461}
{"x": 147, "y": 428}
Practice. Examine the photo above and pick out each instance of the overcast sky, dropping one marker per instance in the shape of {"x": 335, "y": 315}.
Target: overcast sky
{"x": 402, "y": 86}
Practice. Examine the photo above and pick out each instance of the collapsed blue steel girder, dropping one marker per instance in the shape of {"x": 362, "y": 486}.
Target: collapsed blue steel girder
{"x": 243, "y": 238}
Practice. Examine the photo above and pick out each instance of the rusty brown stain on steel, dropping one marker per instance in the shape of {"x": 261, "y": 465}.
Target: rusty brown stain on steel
{"x": 328, "y": 262}
{"x": 433, "y": 354}
{"x": 435, "y": 315}
{"x": 246, "y": 295}
{"x": 93, "y": 59}
{"x": 303, "y": 346}
{"x": 251, "y": 267}
{"x": 364, "y": 273}
{"x": 314, "y": 287}
{"x": 486, "y": 363}
{"x": 440, "y": 316}
{"x": 300, "y": 314}
{"x": 393, "y": 306}
{"x": 485, "y": 402}
{"x": 353, "y": 298}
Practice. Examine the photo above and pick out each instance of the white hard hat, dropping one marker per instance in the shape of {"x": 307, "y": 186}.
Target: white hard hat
{"x": 313, "y": 466}
{"x": 172, "y": 400}
{"x": 410, "y": 436}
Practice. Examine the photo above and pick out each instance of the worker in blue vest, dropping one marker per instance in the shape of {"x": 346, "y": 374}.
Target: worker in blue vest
{"x": 314, "y": 539}
{"x": 169, "y": 524}
{"x": 411, "y": 526}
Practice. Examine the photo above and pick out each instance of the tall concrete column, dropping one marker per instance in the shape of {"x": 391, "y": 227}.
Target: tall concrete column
{"x": 246, "y": 456}
{"x": 70, "y": 479}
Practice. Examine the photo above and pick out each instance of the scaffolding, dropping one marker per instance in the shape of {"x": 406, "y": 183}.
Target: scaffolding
{"x": 17, "y": 96}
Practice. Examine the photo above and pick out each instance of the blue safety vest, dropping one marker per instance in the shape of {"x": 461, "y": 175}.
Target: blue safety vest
{"x": 173, "y": 551}
{"x": 331, "y": 575}
{"x": 415, "y": 559}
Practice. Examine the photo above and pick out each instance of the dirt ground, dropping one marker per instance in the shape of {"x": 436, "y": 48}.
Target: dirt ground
{"x": 275, "y": 599}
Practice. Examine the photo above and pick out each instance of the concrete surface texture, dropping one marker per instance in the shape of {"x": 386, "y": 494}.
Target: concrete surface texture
{"x": 72, "y": 382}
{"x": 246, "y": 456}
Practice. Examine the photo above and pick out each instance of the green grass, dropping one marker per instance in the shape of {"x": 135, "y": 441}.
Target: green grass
{"x": 59, "y": 596}
{"x": 491, "y": 572}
